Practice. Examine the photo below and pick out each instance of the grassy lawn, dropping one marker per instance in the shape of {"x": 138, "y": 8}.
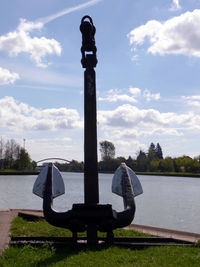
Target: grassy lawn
{"x": 97, "y": 256}
{"x": 21, "y": 227}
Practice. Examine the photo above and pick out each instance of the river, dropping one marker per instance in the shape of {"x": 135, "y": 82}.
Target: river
{"x": 168, "y": 202}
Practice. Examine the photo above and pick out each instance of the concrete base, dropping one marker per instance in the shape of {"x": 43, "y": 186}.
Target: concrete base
{"x": 6, "y": 217}
{"x": 162, "y": 232}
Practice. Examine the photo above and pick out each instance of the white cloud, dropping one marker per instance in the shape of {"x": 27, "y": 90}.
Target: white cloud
{"x": 7, "y": 77}
{"x": 175, "y": 5}
{"x": 149, "y": 96}
{"x": 135, "y": 91}
{"x": 115, "y": 95}
{"x": 19, "y": 116}
{"x": 115, "y": 98}
{"x": 115, "y": 91}
{"x": 28, "y": 26}
{"x": 164, "y": 131}
{"x": 130, "y": 141}
{"x": 130, "y": 127}
{"x": 129, "y": 147}
{"x": 130, "y": 117}
{"x": 178, "y": 35}
{"x": 20, "y": 41}
{"x": 192, "y": 100}
{"x": 136, "y": 132}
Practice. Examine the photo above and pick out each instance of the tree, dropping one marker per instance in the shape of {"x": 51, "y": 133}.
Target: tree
{"x": 109, "y": 165}
{"x": 129, "y": 161}
{"x": 195, "y": 165}
{"x": 107, "y": 150}
{"x": 153, "y": 165}
{"x": 1, "y": 148}
{"x": 142, "y": 161}
{"x": 151, "y": 152}
{"x": 24, "y": 160}
{"x": 1, "y": 154}
{"x": 14, "y": 156}
{"x": 166, "y": 165}
{"x": 11, "y": 153}
{"x": 158, "y": 151}
{"x": 187, "y": 164}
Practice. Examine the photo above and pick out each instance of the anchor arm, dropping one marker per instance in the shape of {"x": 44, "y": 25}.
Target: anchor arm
{"x": 48, "y": 185}
{"x": 53, "y": 217}
{"x": 123, "y": 185}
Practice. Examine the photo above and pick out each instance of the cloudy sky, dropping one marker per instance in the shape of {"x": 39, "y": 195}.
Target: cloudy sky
{"x": 148, "y": 75}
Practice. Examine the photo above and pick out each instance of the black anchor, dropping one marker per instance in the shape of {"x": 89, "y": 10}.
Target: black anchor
{"x": 90, "y": 215}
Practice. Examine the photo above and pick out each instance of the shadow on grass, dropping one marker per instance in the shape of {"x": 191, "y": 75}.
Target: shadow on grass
{"x": 49, "y": 255}
{"x": 76, "y": 253}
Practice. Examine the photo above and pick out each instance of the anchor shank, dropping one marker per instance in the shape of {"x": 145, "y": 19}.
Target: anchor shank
{"x": 91, "y": 187}
{"x": 89, "y": 62}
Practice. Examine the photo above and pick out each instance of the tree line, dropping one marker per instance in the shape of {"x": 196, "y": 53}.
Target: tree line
{"x": 15, "y": 157}
{"x": 150, "y": 161}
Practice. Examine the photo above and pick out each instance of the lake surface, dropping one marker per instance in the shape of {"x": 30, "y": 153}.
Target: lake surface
{"x": 168, "y": 202}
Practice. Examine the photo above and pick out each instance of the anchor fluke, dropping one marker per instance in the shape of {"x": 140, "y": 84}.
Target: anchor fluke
{"x": 58, "y": 187}
{"x": 125, "y": 184}
{"x": 117, "y": 182}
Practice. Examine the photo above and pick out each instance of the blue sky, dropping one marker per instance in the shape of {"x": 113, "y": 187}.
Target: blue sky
{"x": 147, "y": 75}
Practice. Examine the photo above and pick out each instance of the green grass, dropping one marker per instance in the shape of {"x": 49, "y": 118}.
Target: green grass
{"x": 105, "y": 256}
{"x": 21, "y": 227}
{"x": 97, "y": 256}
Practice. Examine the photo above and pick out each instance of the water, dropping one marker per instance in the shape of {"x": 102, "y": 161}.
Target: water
{"x": 168, "y": 202}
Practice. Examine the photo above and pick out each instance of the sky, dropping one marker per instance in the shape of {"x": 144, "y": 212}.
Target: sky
{"x": 148, "y": 75}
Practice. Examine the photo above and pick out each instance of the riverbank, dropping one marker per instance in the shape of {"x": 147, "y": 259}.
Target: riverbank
{"x": 175, "y": 174}
{"x": 19, "y": 172}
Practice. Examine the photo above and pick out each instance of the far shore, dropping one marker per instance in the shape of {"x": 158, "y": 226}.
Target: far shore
{"x": 173, "y": 174}
{"x": 19, "y": 172}
{"x": 176, "y": 174}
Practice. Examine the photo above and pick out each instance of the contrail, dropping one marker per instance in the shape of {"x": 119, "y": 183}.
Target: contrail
{"x": 67, "y": 11}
